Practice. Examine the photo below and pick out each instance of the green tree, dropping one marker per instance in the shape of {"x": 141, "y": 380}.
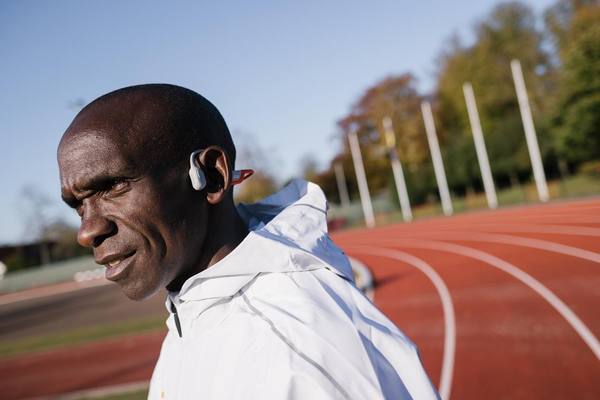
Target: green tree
{"x": 559, "y": 17}
{"x": 257, "y": 187}
{"x": 576, "y": 124}
{"x": 508, "y": 32}
{"x": 63, "y": 237}
{"x": 251, "y": 154}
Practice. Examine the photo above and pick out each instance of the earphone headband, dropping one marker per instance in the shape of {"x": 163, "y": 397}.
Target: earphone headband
{"x": 199, "y": 179}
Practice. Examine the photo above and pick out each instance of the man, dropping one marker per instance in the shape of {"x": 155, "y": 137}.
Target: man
{"x": 262, "y": 304}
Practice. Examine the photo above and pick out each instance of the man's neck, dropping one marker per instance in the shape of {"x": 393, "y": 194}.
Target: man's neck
{"x": 228, "y": 231}
{"x": 233, "y": 232}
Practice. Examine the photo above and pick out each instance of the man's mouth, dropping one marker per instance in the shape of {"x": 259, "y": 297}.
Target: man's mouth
{"x": 116, "y": 266}
{"x": 114, "y": 263}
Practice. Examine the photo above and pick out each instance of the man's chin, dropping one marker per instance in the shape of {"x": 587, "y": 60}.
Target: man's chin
{"x": 134, "y": 292}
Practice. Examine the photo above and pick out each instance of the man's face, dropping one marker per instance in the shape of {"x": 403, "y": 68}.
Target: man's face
{"x": 146, "y": 227}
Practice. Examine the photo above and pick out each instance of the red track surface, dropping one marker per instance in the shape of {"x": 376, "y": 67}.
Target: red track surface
{"x": 510, "y": 341}
{"x": 524, "y": 309}
{"x": 104, "y": 363}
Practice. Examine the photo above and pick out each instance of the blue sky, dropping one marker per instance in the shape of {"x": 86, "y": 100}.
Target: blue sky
{"x": 281, "y": 71}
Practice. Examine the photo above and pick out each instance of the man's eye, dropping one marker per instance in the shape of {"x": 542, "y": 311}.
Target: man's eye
{"x": 119, "y": 185}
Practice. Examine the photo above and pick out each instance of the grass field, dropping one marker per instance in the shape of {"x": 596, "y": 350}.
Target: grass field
{"x": 575, "y": 186}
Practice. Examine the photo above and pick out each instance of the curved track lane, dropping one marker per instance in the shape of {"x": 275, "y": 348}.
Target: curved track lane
{"x": 525, "y": 287}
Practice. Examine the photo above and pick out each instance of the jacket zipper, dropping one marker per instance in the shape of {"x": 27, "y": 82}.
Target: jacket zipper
{"x": 177, "y": 322}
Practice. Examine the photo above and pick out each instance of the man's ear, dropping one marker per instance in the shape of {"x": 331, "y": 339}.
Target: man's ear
{"x": 215, "y": 164}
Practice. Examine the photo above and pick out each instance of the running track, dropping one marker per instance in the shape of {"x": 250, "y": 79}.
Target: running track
{"x": 503, "y": 305}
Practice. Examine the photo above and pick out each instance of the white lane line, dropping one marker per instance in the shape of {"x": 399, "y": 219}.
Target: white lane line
{"x": 101, "y": 392}
{"x": 445, "y": 385}
{"x": 520, "y": 241}
{"x": 541, "y": 226}
{"x": 557, "y": 218}
{"x": 483, "y": 217}
{"x": 553, "y": 229}
{"x": 508, "y": 227}
{"x": 582, "y": 330}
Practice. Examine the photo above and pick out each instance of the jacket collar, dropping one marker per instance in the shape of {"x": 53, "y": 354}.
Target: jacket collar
{"x": 288, "y": 233}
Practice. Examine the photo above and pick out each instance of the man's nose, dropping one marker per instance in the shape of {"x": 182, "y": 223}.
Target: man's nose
{"x": 94, "y": 229}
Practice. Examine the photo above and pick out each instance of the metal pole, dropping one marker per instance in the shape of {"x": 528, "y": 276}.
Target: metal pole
{"x": 436, "y": 156}
{"x": 482, "y": 157}
{"x": 363, "y": 189}
{"x": 532, "y": 143}
{"x": 341, "y": 183}
{"x": 390, "y": 141}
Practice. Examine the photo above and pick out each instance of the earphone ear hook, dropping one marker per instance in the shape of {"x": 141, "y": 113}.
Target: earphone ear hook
{"x": 199, "y": 179}
{"x": 240, "y": 175}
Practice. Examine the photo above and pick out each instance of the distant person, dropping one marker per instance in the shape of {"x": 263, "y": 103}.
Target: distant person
{"x": 262, "y": 303}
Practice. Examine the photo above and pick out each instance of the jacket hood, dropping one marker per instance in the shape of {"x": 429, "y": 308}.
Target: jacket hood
{"x": 288, "y": 232}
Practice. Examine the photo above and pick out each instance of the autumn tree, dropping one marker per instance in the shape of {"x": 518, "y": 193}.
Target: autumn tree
{"x": 395, "y": 97}
{"x": 309, "y": 168}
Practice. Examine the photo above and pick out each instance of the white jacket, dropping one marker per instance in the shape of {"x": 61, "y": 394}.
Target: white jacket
{"x": 280, "y": 318}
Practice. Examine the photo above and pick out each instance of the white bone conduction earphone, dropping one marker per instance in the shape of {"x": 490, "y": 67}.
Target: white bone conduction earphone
{"x": 199, "y": 179}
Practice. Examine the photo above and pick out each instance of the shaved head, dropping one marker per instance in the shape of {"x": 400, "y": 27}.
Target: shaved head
{"x": 164, "y": 123}
{"x": 124, "y": 168}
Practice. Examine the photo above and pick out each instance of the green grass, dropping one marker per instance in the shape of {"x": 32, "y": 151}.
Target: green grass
{"x": 580, "y": 186}
{"x": 78, "y": 336}
{"x": 575, "y": 186}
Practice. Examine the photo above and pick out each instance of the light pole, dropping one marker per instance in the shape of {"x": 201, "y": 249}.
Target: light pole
{"x": 530, "y": 137}
{"x": 436, "y": 157}
{"x": 361, "y": 179}
{"x": 390, "y": 142}
{"x": 341, "y": 183}
{"x": 482, "y": 157}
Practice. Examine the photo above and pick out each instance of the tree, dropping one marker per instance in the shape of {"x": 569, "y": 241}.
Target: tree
{"x": 37, "y": 210}
{"x": 395, "y": 97}
{"x": 63, "y": 237}
{"x": 559, "y": 17}
{"x": 566, "y": 81}
{"x": 508, "y": 32}
{"x": 250, "y": 154}
{"x": 309, "y": 168}
{"x": 576, "y": 123}
{"x": 50, "y": 238}
{"x": 257, "y": 187}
